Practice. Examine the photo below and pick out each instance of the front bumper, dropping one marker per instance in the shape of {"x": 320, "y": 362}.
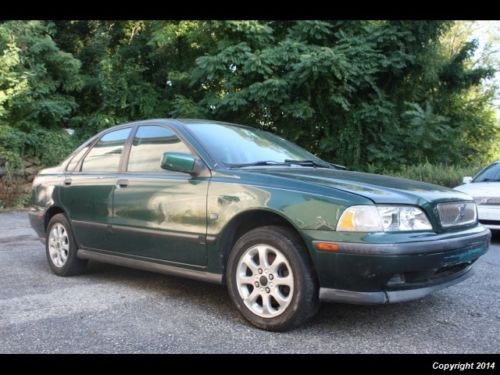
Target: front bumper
{"x": 489, "y": 215}
{"x": 37, "y": 222}
{"x": 386, "y": 268}
{"x": 386, "y": 296}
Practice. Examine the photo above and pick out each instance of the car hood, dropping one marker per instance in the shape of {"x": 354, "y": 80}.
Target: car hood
{"x": 481, "y": 189}
{"x": 378, "y": 188}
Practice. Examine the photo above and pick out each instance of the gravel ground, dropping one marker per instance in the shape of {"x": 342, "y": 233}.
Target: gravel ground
{"x": 118, "y": 310}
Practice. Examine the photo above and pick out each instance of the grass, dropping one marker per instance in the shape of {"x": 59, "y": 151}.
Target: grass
{"x": 439, "y": 174}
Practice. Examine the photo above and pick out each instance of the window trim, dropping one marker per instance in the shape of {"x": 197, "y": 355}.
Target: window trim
{"x": 88, "y": 143}
{"x": 74, "y": 154}
{"x": 123, "y": 165}
{"x": 66, "y": 169}
{"x": 126, "y": 153}
{"x": 78, "y": 167}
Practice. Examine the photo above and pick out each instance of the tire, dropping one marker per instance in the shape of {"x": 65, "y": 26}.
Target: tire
{"x": 60, "y": 248}
{"x": 280, "y": 294}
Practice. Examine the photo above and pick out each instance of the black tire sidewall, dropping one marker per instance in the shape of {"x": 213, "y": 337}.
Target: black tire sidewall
{"x": 304, "y": 299}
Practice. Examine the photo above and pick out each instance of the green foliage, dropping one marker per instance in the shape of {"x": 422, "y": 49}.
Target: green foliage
{"x": 48, "y": 146}
{"x": 439, "y": 174}
{"x": 22, "y": 201}
{"x": 39, "y": 81}
{"x": 382, "y": 93}
{"x": 352, "y": 92}
{"x": 12, "y": 147}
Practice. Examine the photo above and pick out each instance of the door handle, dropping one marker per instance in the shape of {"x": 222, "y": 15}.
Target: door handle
{"x": 67, "y": 181}
{"x": 122, "y": 183}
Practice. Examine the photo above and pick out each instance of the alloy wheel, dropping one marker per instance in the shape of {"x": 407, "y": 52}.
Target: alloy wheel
{"x": 58, "y": 245}
{"x": 265, "y": 280}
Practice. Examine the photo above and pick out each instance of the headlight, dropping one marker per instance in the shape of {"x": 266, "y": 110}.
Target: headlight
{"x": 487, "y": 200}
{"x": 383, "y": 219}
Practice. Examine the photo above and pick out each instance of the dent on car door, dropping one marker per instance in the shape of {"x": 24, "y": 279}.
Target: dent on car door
{"x": 87, "y": 193}
{"x": 159, "y": 214}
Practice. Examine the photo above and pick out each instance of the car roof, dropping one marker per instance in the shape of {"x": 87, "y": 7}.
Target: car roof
{"x": 177, "y": 122}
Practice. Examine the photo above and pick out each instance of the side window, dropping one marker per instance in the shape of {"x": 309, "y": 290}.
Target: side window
{"x": 105, "y": 155}
{"x": 149, "y": 145}
{"x": 75, "y": 159}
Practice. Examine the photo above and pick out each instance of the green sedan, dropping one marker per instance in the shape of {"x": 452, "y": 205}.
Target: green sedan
{"x": 226, "y": 203}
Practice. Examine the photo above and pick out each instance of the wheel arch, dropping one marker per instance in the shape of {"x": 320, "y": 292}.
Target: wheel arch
{"x": 50, "y": 213}
{"x": 245, "y": 222}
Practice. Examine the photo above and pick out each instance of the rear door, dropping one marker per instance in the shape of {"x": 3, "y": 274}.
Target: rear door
{"x": 159, "y": 214}
{"x": 88, "y": 190}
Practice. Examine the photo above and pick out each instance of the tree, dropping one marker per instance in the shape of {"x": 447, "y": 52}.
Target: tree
{"x": 39, "y": 81}
{"x": 383, "y": 93}
{"x": 344, "y": 90}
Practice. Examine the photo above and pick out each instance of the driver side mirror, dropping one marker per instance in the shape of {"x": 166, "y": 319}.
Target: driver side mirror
{"x": 467, "y": 180}
{"x": 181, "y": 162}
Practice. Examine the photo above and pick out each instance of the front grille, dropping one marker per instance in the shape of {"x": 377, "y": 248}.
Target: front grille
{"x": 457, "y": 213}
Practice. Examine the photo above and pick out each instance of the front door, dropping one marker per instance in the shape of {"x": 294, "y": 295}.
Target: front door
{"x": 159, "y": 214}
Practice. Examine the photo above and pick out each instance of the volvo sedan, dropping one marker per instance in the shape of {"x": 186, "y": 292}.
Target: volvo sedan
{"x": 231, "y": 204}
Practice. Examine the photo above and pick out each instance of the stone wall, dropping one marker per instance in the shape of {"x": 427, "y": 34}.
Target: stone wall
{"x": 17, "y": 183}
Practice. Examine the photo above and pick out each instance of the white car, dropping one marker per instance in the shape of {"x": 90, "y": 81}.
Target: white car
{"x": 485, "y": 189}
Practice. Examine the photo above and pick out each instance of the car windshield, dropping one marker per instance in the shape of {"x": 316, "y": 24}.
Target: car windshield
{"x": 238, "y": 146}
{"x": 489, "y": 174}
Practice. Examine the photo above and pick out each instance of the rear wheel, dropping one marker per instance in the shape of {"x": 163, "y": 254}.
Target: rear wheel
{"x": 61, "y": 248}
{"x": 271, "y": 280}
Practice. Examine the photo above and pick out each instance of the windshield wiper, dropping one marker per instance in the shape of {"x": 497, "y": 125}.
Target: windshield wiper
{"x": 338, "y": 166}
{"x": 311, "y": 163}
{"x": 257, "y": 163}
{"x": 286, "y": 162}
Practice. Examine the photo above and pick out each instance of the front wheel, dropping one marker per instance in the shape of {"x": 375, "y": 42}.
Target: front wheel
{"x": 271, "y": 280}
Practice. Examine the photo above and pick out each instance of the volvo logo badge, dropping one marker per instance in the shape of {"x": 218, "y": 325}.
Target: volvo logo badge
{"x": 461, "y": 213}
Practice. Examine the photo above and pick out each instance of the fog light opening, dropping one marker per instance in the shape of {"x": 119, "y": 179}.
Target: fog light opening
{"x": 396, "y": 279}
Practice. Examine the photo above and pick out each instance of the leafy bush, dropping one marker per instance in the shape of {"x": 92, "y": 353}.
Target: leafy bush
{"x": 12, "y": 144}
{"x": 48, "y": 146}
{"x": 53, "y": 146}
{"x": 22, "y": 200}
{"x": 439, "y": 174}
{"x": 390, "y": 93}
{"x": 35, "y": 149}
